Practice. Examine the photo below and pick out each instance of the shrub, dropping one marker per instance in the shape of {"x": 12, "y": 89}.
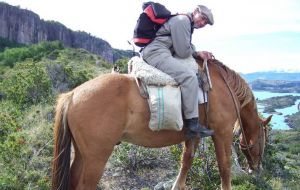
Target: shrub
{"x": 122, "y": 65}
{"x": 204, "y": 172}
{"x": 133, "y": 156}
{"x": 35, "y": 52}
{"x": 28, "y": 83}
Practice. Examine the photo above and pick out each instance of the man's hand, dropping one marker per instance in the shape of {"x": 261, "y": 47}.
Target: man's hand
{"x": 205, "y": 55}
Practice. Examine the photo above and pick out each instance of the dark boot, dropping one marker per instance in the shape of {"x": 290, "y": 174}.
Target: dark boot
{"x": 194, "y": 129}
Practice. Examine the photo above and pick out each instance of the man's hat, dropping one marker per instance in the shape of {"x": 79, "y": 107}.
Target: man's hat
{"x": 207, "y": 13}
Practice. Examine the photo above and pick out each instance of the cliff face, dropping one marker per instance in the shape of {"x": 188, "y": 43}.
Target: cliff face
{"x": 26, "y": 27}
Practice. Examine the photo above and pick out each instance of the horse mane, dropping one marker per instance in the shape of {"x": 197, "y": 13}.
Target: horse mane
{"x": 238, "y": 85}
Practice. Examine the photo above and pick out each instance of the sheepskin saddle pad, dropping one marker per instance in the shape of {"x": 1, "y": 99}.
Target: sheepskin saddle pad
{"x": 152, "y": 76}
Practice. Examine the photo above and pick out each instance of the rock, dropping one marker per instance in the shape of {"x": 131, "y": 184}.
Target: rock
{"x": 117, "y": 174}
{"x": 59, "y": 78}
{"x": 159, "y": 186}
{"x": 164, "y": 185}
{"x": 168, "y": 185}
{"x": 2, "y": 96}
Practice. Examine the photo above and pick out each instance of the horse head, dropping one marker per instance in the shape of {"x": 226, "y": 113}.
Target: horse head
{"x": 252, "y": 143}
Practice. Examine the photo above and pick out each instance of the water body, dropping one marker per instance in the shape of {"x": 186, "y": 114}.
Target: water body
{"x": 277, "y": 120}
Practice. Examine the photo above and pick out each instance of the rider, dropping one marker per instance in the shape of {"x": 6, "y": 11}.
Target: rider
{"x": 161, "y": 51}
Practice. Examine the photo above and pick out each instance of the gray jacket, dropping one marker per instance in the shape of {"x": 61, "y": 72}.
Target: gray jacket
{"x": 177, "y": 44}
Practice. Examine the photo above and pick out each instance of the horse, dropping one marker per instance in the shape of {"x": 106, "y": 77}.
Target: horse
{"x": 109, "y": 109}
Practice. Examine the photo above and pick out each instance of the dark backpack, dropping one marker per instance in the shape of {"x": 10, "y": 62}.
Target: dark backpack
{"x": 153, "y": 17}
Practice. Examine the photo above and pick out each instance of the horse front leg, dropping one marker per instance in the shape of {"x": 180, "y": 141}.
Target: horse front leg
{"x": 186, "y": 163}
{"x": 223, "y": 152}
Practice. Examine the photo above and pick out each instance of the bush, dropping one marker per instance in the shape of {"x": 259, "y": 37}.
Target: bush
{"x": 27, "y": 84}
{"x": 204, "y": 172}
{"x": 122, "y": 65}
{"x": 9, "y": 120}
{"x": 133, "y": 156}
{"x": 35, "y": 52}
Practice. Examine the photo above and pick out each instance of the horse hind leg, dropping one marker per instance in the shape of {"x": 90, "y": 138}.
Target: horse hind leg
{"x": 190, "y": 147}
{"x": 90, "y": 170}
{"x": 90, "y": 159}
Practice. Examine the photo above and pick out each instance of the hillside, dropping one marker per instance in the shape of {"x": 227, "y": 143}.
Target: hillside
{"x": 26, "y": 27}
{"x": 28, "y": 91}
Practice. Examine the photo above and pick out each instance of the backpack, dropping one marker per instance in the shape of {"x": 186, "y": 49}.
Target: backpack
{"x": 149, "y": 22}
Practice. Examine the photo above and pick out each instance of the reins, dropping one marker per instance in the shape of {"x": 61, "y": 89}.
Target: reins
{"x": 246, "y": 146}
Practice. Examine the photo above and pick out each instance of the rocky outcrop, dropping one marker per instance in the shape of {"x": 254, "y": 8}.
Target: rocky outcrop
{"x": 24, "y": 26}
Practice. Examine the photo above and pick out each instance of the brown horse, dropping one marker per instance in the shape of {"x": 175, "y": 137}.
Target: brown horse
{"x": 98, "y": 114}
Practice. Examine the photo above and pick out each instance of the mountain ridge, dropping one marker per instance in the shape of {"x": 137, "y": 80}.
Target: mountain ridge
{"x": 26, "y": 27}
{"x": 271, "y": 75}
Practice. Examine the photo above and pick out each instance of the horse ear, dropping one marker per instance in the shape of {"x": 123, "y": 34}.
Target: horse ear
{"x": 267, "y": 121}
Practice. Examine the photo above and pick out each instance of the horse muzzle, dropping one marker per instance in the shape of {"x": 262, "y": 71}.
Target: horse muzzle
{"x": 258, "y": 170}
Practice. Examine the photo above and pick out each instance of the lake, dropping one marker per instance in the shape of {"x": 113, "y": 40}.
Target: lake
{"x": 277, "y": 120}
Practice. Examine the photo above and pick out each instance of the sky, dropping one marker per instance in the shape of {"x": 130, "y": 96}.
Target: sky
{"x": 248, "y": 35}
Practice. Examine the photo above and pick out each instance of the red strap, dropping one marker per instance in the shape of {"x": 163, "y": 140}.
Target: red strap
{"x": 150, "y": 13}
{"x": 141, "y": 40}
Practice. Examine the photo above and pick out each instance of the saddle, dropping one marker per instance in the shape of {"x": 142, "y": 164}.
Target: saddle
{"x": 163, "y": 92}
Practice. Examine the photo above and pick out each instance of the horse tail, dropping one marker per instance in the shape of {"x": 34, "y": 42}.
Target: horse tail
{"x": 62, "y": 144}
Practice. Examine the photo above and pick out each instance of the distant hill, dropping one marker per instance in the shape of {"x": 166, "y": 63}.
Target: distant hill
{"x": 25, "y": 27}
{"x": 281, "y": 86}
{"x": 271, "y": 76}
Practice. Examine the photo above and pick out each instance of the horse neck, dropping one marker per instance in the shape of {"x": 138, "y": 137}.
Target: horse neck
{"x": 244, "y": 96}
{"x": 235, "y": 82}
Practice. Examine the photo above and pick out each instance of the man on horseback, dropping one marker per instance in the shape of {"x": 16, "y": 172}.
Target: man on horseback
{"x": 161, "y": 51}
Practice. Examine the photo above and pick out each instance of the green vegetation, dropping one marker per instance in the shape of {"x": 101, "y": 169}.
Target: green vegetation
{"x": 122, "y": 65}
{"x": 35, "y": 52}
{"x": 31, "y": 77}
{"x": 293, "y": 120}
{"x": 119, "y": 54}
{"x": 281, "y": 165}
{"x": 286, "y": 151}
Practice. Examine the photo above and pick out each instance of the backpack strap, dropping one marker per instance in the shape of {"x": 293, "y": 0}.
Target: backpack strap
{"x": 191, "y": 21}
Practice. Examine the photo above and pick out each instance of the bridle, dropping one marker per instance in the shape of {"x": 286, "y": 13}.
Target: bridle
{"x": 259, "y": 142}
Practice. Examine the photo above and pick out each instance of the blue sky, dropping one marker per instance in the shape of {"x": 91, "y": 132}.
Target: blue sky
{"x": 248, "y": 35}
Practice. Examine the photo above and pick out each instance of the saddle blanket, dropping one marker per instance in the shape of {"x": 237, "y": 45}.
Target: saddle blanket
{"x": 163, "y": 93}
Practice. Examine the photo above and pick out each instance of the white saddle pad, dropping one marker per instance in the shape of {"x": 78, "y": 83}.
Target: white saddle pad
{"x": 149, "y": 74}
